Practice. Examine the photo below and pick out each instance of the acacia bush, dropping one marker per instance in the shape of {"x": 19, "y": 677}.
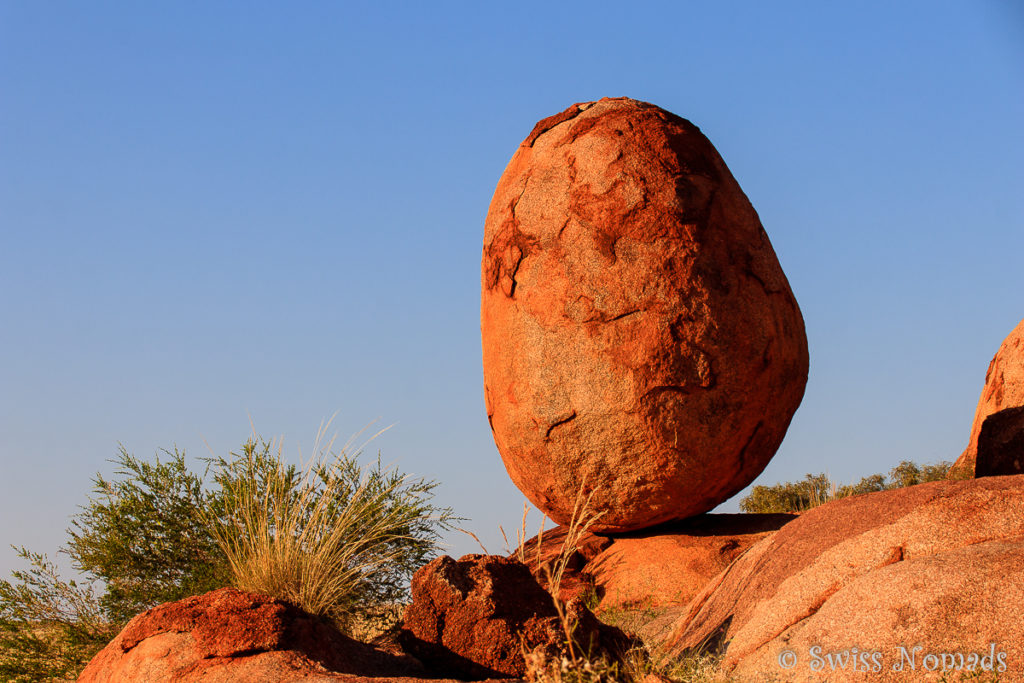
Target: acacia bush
{"x": 145, "y": 536}
{"x": 816, "y": 489}
{"x": 157, "y": 532}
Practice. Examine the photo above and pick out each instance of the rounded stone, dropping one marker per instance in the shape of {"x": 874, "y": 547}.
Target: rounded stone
{"x": 641, "y": 343}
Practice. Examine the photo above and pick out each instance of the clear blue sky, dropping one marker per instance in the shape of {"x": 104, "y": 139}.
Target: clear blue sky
{"x": 212, "y": 210}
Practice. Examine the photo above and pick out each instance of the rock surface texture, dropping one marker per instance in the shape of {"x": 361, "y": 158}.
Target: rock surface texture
{"x": 473, "y": 617}
{"x": 1001, "y": 444}
{"x": 231, "y": 635}
{"x": 639, "y": 336}
{"x": 939, "y": 566}
{"x": 1004, "y": 388}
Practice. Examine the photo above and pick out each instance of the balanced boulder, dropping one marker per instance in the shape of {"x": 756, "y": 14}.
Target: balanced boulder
{"x": 640, "y": 339}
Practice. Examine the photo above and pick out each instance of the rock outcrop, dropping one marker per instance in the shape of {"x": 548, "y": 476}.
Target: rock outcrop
{"x": 231, "y": 635}
{"x": 671, "y": 564}
{"x": 938, "y": 567}
{"x": 474, "y": 618}
{"x": 665, "y": 565}
{"x": 640, "y": 339}
{"x": 1004, "y": 388}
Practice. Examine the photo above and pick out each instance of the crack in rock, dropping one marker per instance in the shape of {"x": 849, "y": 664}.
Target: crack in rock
{"x": 559, "y": 423}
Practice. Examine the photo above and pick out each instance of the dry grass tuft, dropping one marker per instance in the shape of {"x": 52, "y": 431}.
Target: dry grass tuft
{"x": 315, "y": 537}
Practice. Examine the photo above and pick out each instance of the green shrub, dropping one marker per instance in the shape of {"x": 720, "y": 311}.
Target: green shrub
{"x": 817, "y": 489}
{"x": 49, "y": 628}
{"x": 145, "y": 536}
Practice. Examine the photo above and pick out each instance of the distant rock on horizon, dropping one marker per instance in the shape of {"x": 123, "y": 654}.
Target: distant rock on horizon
{"x": 640, "y": 339}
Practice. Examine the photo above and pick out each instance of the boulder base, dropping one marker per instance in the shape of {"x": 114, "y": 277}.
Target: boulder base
{"x": 654, "y": 568}
{"x": 670, "y": 564}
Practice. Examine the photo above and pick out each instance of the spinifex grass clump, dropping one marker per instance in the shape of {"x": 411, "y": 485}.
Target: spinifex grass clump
{"x": 335, "y": 539}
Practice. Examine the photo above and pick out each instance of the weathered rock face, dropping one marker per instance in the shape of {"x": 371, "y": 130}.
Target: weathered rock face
{"x": 639, "y": 336}
{"x": 1004, "y": 388}
{"x": 231, "y": 635}
{"x": 1001, "y": 444}
{"x": 938, "y": 565}
{"x": 473, "y": 617}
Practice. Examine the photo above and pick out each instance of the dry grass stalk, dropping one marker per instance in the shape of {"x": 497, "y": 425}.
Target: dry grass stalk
{"x": 539, "y": 666}
{"x": 474, "y": 537}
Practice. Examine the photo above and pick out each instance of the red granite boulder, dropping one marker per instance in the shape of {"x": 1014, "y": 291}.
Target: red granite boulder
{"x": 639, "y": 336}
{"x": 231, "y": 635}
{"x": 474, "y": 618}
{"x": 1004, "y": 388}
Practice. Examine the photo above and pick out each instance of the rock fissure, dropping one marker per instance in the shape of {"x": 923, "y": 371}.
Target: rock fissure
{"x": 559, "y": 423}
{"x": 544, "y": 125}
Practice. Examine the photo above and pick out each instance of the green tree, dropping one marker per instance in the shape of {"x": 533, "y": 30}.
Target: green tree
{"x": 870, "y": 484}
{"x": 817, "y": 489}
{"x": 788, "y": 497}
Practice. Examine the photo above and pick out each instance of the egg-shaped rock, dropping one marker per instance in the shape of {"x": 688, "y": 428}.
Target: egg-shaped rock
{"x": 640, "y": 341}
